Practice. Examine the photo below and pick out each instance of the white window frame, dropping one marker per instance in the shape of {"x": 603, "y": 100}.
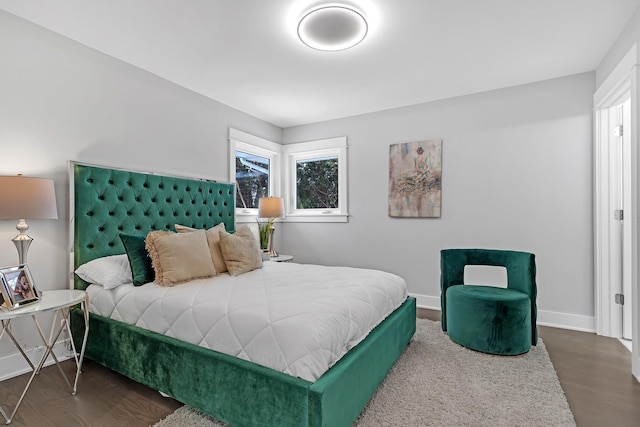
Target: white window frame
{"x": 247, "y": 143}
{"x": 332, "y": 147}
{"x": 282, "y": 164}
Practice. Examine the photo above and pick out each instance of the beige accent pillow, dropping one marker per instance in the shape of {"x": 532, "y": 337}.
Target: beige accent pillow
{"x": 213, "y": 240}
{"x": 240, "y": 251}
{"x": 179, "y": 258}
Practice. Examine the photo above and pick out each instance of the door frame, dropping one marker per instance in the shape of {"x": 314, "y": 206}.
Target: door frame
{"x": 623, "y": 79}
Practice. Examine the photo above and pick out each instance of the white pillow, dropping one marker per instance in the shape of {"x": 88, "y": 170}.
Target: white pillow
{"x": 110, "y": 271}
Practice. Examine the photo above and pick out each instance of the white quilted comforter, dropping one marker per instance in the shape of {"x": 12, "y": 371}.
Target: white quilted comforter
{"x": 296, "y": 318}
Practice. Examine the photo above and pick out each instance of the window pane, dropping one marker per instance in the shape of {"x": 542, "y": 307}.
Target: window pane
{"x": 317, "y": 183}
{"x": 252, "y": 179}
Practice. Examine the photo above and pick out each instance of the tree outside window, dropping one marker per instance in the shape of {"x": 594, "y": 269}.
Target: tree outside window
{"x": 317, "y": 183}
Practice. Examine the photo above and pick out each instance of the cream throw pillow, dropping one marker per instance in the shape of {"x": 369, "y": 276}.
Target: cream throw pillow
{"x": 240, "y": 251}
{"x": 213, "y": 240}
{"x": 179, "y": 258}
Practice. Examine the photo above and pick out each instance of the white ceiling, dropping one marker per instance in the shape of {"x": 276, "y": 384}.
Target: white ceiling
{"x": 244, "y": 53}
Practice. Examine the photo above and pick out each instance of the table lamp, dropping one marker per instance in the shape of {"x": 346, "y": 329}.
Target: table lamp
{"x": 271, "y": 208}
{"x": 21, "y": 198}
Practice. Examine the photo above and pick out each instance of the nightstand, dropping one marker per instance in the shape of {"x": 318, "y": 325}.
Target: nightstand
{"x": 282, "y": 258}
{"x": 59, "y": 302}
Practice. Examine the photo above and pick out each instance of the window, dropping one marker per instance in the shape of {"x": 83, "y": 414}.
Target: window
{"x": 317, "y": 183}
{"x": 317, "y": 180}
{"x": 314, "y": 187}
{"x": 254, "y": 168}
{"x": 252, "y": 179}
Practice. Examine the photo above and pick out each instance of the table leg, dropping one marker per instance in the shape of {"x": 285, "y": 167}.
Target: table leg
{"x": 24, "y": 393}
{"x": 85, "y": 308}
{"x": 4, "y": 415}
{"x": 53, "y": 337}
{"x": 6, "y": 328}
{"x": 54, "y": 334}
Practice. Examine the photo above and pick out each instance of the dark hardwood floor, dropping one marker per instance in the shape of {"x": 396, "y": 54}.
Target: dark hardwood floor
{"x": 104, "y": 399}
{"x": 595, "y": 373}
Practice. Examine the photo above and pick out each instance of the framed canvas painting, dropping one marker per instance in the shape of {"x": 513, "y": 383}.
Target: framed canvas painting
{"x": 415, "y": 178}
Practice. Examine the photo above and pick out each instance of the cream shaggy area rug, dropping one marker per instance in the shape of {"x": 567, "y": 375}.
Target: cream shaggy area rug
{"x": 438, "y": 383}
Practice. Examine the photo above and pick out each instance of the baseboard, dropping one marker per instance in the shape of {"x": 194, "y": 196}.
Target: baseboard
{"x": 14, "y": 364}
{"x": 553, "y": 319}
{"x": 627, "y": 344}
{"x": 425, "y": 301}
{"x": 575, "y": 322}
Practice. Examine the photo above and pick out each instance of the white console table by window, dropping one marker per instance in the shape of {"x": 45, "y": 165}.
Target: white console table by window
{"x": 60, "y": 302}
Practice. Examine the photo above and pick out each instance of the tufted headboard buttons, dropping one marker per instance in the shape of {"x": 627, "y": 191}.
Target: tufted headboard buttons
{"x": 109, "y": 202}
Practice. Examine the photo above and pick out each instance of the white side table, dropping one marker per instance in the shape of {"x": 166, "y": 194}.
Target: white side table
{"x": 60, "y": 302}
{"x": 282, "y": 258}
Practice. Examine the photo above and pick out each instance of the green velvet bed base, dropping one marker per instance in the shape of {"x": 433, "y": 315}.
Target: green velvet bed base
{"x": 242, "y": 393}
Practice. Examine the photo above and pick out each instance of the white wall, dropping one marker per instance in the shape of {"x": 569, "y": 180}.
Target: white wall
{"x": 62, "y": 101}
{"x": 517, "y": 174}
{"x": 629, "y": 36}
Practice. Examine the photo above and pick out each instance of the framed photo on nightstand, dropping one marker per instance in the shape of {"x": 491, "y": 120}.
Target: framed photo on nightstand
{"x": 17, "y": 287}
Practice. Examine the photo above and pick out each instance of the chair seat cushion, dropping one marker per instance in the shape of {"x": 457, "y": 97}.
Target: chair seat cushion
{"x": 489, "y": 319}
{"x": 491, "y": 293}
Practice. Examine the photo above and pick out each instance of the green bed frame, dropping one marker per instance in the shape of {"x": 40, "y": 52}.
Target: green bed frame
{"x": 107, "y": 202}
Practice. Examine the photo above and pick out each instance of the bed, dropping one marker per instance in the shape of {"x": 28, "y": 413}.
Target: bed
{"x": 239, "y": 391}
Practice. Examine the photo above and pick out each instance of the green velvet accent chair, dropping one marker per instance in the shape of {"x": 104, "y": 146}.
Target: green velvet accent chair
{"x": 486, "y": 318}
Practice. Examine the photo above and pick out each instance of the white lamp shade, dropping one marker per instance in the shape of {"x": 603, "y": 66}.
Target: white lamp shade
{"x": 27, "y": 198}
{"x": 271, "y": 207}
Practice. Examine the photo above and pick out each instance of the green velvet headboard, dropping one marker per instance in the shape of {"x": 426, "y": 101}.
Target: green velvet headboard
{"x": 107, "y": 202}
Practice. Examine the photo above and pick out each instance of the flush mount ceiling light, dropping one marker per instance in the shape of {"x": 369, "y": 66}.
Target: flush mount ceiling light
{"x": 332, "y": 28}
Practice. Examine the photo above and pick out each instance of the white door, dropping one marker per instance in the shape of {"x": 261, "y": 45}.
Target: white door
{"x": 619, "y": 118}
{"x": 622, "y": 84}
{"x": 625, "y": 115}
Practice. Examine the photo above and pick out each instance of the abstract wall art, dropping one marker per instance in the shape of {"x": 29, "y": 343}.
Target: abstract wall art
{"x": 415, "y": 178}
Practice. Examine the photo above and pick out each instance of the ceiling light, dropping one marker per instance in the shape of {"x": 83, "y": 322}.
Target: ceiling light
{"x": 332, "y": 28}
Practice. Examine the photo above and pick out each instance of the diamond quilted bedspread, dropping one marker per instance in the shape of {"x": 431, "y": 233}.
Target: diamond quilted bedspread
{"x": 299, "y": 319}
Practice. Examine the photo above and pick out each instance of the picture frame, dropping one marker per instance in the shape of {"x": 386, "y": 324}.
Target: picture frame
{"x": 17, "y": 287}
{"x": 415, "y": 179}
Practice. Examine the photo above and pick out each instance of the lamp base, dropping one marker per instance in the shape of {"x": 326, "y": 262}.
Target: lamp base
{"x": 22, "y": 242}
{"x": 272, "y": 252}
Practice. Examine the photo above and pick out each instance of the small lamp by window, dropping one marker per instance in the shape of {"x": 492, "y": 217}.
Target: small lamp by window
{"x": 21, "y": 198}
{"x": 271, "y": 208}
